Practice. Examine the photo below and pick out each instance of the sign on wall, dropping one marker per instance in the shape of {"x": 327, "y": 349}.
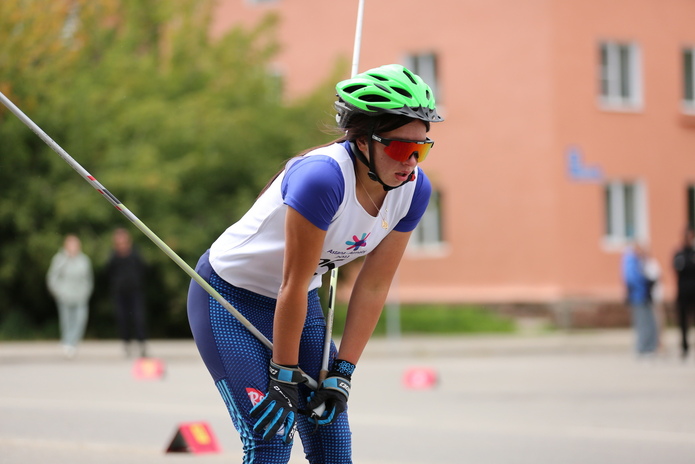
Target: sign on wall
{"x": 578, "y": 171}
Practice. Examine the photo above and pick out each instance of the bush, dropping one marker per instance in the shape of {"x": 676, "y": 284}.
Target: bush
{"x": 437, "y": 319}
{"x": 17, "y": 325}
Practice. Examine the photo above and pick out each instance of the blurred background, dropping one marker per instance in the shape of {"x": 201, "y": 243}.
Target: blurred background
{"x": 569, "y": 134}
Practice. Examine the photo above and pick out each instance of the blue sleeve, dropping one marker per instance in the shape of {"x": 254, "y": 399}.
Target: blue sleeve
{"x": 314, "y": 186}
{"x": 421, "y": 198}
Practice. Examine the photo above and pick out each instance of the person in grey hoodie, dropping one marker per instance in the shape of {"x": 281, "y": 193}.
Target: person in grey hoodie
{"x": 70, "y": 280}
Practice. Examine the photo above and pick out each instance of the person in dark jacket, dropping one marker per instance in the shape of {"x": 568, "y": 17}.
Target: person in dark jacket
{"x": 684, "y": 265}
{"x": 126, "y": 272}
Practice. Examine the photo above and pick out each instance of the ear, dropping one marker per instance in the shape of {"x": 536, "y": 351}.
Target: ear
{"x": 362, "y": 145}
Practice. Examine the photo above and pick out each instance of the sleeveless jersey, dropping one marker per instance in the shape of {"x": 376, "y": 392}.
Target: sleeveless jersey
{"x": 321, "y": 186}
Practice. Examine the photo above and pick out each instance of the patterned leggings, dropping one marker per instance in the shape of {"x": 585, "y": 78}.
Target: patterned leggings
{"x": 238, "y": 363}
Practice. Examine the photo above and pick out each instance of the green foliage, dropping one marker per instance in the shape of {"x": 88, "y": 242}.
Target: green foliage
{"x": 184, "y": 130}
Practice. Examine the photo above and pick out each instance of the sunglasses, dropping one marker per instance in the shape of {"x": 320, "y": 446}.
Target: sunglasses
{"x": 401, "y": 150}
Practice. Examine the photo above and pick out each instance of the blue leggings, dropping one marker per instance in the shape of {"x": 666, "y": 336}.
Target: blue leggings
{"x": 238, "y": 363}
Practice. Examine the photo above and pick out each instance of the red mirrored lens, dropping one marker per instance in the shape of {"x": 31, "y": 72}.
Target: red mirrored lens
{"x": 401, "y": 150}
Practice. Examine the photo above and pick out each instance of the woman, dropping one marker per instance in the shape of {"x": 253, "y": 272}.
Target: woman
{"x": 361, "y": 195}
{"x": 70, "y": 280}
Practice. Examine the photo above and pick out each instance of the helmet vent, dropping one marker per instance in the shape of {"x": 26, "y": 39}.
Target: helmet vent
{"x": 410, "y": 76}
{"x": 354, "y": 88}
{"x": 374, "y": 99}
{"x": 403, "y": 92}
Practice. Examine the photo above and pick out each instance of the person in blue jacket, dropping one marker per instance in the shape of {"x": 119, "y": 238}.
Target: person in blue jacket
{"x": 638, "y": 288}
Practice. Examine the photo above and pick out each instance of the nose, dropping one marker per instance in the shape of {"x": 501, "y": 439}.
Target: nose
{"x": 412, "y": 159}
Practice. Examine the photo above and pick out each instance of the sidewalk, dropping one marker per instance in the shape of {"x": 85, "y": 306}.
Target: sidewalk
{"x": 569, "y": 398}
{"x": 423, "y": 346}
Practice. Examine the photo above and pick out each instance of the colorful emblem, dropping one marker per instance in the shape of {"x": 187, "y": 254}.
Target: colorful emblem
{"x": 357, "y": 243}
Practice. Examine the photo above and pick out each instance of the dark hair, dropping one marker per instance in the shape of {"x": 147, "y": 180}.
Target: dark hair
{"x": 359, "y": 125}
{"x": 362, "y": 125}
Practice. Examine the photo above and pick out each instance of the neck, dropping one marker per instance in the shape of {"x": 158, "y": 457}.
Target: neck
{"x": 371, "y": 187}
{"x": 372, "y": 199}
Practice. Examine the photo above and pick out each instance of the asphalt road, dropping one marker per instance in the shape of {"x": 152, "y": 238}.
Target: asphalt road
{"x": 562, "y": 398}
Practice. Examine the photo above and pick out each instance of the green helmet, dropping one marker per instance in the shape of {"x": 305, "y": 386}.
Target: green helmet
{"x": 389, "y": 89}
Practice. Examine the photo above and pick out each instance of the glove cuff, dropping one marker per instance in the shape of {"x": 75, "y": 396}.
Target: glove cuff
{"x": 285, "y": 374}
{"x": 339, "y": 384}
{"x": 343, "y": 368}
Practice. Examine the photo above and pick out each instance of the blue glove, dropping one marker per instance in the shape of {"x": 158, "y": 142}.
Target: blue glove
{"x": 333, "y": 393}
{"x": 279, "y": 406}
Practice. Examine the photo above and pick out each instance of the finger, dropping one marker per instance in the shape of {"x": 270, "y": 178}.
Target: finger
{"x": 316, "y": 399}
{"x": 274, "y": 424}
{"x": 290, "y": 428}
{"x": 327, "y": 417}
{"x": 258, "y": 409}
{"x": 267, "y": 417}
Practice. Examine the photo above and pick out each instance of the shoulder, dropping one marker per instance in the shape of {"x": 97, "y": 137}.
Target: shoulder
{"x": 423, "y": 186}
{"x": 322, "y": 170}
{"x": 317, "y": 171}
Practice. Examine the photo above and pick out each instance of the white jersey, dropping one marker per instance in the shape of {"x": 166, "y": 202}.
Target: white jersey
{"x": 249, "y": 254}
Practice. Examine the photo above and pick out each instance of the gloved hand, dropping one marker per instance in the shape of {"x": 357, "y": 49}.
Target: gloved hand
{"x": 279, "y": 407}
{"x": 333, "y": 393}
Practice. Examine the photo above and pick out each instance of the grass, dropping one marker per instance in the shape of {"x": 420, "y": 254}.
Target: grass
{"x": 437, "y": 319}
{"x": 413, "y": 319}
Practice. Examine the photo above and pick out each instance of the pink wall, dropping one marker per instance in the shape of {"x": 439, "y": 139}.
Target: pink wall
{"x": 519, "y": 87}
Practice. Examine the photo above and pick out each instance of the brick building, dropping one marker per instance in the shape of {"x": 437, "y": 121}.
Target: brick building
{"x": 570, "y": 131}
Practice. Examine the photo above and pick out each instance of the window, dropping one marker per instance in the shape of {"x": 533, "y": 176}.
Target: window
{"x": 428, "y": 233}
{"x": 625, "y": 208}
{"x": 691, "y": 206}
{"x": 621, "y": 83}
{"x": 689, "y": 80}
{"x": 425, "y": 66}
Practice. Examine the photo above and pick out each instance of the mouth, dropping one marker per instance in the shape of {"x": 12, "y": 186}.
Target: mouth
{"x": 403, "y": 176}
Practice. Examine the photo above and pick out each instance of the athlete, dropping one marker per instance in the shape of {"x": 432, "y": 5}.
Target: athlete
{"x": 359, "y": 196}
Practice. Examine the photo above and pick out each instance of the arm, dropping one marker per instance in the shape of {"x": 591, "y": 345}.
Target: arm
{"x": 366, "y": 302}
{"x": 52, "y": 276}
{"x": 369, "y": 294}
{"x": 302, "y": 253}
{"x": 279, "y": 407}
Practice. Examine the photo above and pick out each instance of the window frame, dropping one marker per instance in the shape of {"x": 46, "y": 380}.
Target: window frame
{"x": 428, "y": 236}
{"x": 623, "y": 210}
{"x": 620, "y": 76}
{"x": 690, "y": 205}
{"x": 688, "y": 88}
{"x": 425, "y": 65}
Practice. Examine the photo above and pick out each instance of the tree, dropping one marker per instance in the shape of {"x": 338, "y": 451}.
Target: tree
{"x": 184, "y": 130}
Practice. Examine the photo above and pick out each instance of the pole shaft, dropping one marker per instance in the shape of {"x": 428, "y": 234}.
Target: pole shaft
{"x": 358, "y": 39}
{"x": 140, "y": 225}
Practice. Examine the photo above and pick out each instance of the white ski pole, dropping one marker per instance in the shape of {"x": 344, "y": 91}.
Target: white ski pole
{"x": 334, "y": 272}
{"x": 140, "y": 225}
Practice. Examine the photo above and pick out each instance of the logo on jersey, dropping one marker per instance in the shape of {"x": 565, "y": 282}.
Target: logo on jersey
{"x": 256, "y": 396}
{"x": 357, "y": 243}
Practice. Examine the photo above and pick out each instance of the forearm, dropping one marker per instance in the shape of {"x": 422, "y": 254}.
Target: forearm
{"x": 288, "y": 323}
{"x": 363, "y": 314}
{"x": 358, "y": 329}
{"x": 302, "y": 252}
{"x": 369, "y": 294}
